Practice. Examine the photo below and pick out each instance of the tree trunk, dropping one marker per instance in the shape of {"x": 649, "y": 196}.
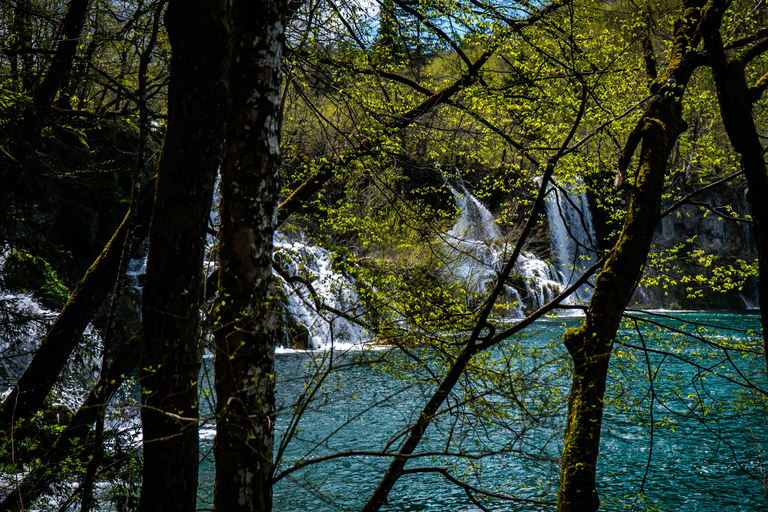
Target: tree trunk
{"x": 197, "y": 98}
{"x": 246, "y": 321}
{"x": 29, "y": 393}
{"x": 21, "y": 46}
{"x": 63, "y": 58}
{"x": 736, "y": 99}
{"x": 590, "y": 345}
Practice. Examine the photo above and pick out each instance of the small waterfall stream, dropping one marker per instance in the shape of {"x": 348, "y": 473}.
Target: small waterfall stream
{"x": 25, "y": 323}
{"x": 572, "y": 234}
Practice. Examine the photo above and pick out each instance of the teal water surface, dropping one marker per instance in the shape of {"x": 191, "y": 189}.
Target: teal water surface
{"x": 689, "y": 438}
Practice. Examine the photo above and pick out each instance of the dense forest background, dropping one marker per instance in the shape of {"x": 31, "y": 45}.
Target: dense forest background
{"x": 164, "y": 164}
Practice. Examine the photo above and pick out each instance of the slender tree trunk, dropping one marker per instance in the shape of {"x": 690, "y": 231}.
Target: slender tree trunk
{"x": 199, "y": 36}
{"x": 29, "y": 393}
{"x": 395, "y": 470}
{"x": 108, "y": 342}
{"x": 63, "y": 58}
{"x": 736, "y": 100}
{"x": 246, "y": 321}
{"x": 21, "y": 46}
{"x": 590, "y": 345}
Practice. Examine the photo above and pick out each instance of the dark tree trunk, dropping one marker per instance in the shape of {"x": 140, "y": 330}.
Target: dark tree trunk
{"x": 246, "y": 322}
{"x": 736, "y": 99}
{"x": 590, "y": 345}
{"x": 199, "y": 35}
{"x": 29, "y": 393}
{"x": 21, "y": 46}
{"x": 63, "y": 58}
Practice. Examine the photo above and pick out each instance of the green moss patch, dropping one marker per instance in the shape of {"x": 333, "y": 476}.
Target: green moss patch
{"x": 26, "y": 273}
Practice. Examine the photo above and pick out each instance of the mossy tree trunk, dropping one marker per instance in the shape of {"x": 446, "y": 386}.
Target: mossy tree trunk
{"x": 246, "y": 324}
{"x": 197, "y": 99}
{"x": 736, "y": 99}
{"x": 590, "y": 345}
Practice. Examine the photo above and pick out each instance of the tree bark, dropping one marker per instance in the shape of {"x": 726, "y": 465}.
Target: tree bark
{"x": 29, "y": 393}
{"x": 199, "y": 37}
{"x": 736, "y": 99}
{"x": 246, "y": 326}
{"x": 63, "y": 58}
{"x": 590, "y": 345}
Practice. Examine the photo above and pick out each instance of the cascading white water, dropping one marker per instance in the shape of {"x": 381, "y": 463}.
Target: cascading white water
{"x": 24, "y": 325}
{"x": 474, "y": 257}
{"x": 475, "y": 222}
{"x": 476, "y": 254}
{"x": 311, "y": 264}
{"x": 572, "y": 234}
{"x": 327, "y": 309}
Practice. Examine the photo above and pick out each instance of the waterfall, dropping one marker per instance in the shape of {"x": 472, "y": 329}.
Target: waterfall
{"x": 25, "y": 323}
{"x": 323, "y": 312}
{"x": 321, "y": 329}
{"x": 572, "y": 234}
{"x": 752, "y": 301}
{"x": 320, "y": 302}
{"x": 476, "y": 254}
{"x": 475, "y": 222}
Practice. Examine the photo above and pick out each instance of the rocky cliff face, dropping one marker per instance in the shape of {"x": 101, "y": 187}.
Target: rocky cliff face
{"x": 705, "y": 255}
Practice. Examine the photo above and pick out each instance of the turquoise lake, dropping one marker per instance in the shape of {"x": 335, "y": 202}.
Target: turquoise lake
{"x": 704, "y": 450}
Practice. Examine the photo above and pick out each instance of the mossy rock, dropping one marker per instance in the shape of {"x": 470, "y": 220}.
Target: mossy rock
{"x": 517, "y": 280}
{"x": 296, "y": 333}
{"x": 26, "y": 273}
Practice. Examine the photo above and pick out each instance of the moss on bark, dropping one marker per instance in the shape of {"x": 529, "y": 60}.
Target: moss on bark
{"x": 590, "y": 345}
